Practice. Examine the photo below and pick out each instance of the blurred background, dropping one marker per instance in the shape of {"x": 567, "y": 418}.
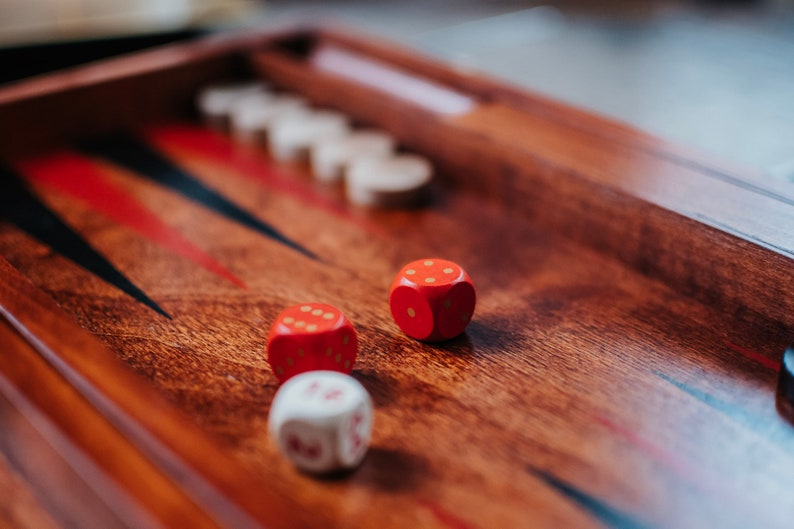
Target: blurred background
{"x": 714, "y": 75}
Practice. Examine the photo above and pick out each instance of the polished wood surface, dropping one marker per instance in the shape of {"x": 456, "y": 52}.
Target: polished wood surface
{"x": 20, "y": 507}
{"x": 593, "y": 180}
{"x": 619, "y": 370}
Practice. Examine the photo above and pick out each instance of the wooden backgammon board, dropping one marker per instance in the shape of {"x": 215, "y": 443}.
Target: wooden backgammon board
{"x": 634, "y": 301}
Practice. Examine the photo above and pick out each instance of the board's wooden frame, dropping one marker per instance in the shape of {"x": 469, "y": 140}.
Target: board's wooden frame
{"x": 719, "y": 233}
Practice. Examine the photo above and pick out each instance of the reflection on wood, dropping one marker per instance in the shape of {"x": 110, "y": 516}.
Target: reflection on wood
{"x": 617, "y": 370}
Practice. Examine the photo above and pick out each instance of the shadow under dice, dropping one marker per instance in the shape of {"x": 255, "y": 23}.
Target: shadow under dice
{"x": 322, "y": 421}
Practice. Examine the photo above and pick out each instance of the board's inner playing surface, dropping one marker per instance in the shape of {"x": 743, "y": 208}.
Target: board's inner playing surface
{"x": 571, "y": 360}
{"x": 583, "y": 393}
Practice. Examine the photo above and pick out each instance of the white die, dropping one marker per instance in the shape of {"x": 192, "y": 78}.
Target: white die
{"x": 322, "y": 421}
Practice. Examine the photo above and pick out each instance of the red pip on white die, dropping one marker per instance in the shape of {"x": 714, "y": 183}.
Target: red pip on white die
{"x": 322, "y": 421}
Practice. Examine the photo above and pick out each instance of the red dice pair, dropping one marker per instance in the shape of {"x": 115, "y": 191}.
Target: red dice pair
{"x": 430, "y": 300}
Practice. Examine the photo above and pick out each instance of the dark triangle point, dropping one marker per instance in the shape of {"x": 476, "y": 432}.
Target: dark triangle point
{"x": 605, "y": 513}
{"x": 141, "y": 158}
{"x": 20, "y": 207}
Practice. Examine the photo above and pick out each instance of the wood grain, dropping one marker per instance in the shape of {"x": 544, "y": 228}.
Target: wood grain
{"x": 21, "y": 508}
{"x": 618, "y": 372}
{"x": 134, "y": 438}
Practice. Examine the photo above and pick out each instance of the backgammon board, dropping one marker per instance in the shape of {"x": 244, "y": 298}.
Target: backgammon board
{"x": 634, "y": 301}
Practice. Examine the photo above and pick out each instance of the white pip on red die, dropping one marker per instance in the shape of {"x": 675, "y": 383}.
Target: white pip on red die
{"x": 322, "y": 421}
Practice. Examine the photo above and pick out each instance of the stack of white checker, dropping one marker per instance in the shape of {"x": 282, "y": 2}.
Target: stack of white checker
{"x": 365, "y": 160}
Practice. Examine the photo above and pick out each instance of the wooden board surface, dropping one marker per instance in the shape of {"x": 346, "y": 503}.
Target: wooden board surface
{"x": 594, "y": 387}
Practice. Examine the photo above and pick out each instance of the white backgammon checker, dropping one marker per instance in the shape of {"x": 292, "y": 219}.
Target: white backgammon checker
{"x": 395, "y": 181}
{"x": 331, "y": 157}
{"x": 251, "y": 117}
{"x": 322, "y": 421}
{"x": 215, "y": 102}
{"x": 292, "y": 135}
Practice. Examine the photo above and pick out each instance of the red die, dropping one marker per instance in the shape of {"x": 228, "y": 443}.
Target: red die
{"x": 309, "y": 337}
{"x": 432, "y": 299}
